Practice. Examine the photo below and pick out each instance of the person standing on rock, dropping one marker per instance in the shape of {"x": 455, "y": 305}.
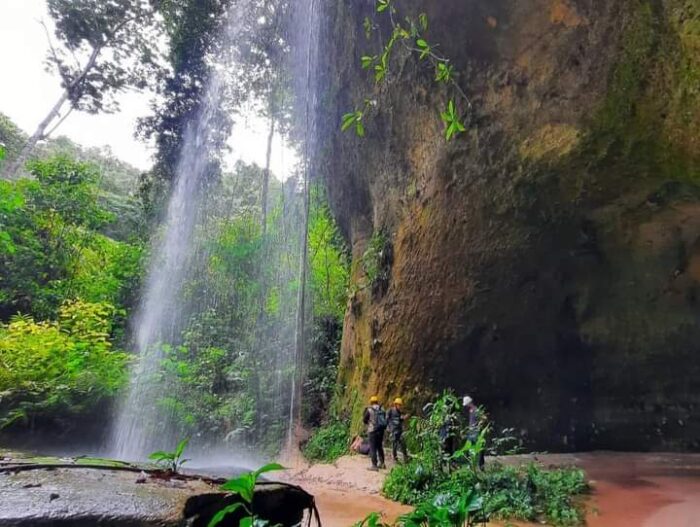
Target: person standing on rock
{"x": 396, "y": 418}
{"x": 375, "y": 419}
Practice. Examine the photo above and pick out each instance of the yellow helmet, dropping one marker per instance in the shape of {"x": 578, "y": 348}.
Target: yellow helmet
{"x": 373, "y": 399}
{"x": 398, "y": 400}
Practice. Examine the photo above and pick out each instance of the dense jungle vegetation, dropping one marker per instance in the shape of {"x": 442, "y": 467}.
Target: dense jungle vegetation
{"x": 73, "y": 262}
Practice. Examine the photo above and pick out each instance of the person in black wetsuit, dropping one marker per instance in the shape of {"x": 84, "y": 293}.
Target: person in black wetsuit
{"x": 395, "y": 419}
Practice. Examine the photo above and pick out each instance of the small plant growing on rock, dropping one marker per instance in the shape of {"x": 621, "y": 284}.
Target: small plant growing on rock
{"x": 408, "y": 33}
{"x": 376, "y": 263}
{"x": 173, "y": 461}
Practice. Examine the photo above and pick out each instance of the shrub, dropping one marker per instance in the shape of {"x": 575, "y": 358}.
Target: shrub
{"x": 513, "y": 493}
{"x": 410, "y": 483}
{"x": 58, "y": 368}
{"x": 527, "y": 493}
{"x": 328, "y": 442}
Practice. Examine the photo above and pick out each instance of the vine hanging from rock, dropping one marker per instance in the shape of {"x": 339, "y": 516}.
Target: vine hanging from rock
{"x": 411, "y": 35}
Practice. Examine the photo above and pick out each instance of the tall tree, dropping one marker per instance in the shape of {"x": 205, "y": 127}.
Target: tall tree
{"x": 195, "y": 32}
{"x": 106, "y": 47}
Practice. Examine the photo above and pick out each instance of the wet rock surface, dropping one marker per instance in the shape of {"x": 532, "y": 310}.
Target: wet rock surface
{"x": 56, "y": 492}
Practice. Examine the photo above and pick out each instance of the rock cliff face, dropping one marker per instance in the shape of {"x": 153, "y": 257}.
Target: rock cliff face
{"x": 548, "y": 260}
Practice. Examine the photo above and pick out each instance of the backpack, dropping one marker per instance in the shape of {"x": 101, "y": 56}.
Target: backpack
{"x": 378, "y": 419}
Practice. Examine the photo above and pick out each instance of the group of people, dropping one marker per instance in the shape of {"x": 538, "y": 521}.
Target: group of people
{"x": 378, "y": 421}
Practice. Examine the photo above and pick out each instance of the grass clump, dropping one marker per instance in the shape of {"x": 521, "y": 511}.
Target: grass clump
{"x": 328, "y": 443}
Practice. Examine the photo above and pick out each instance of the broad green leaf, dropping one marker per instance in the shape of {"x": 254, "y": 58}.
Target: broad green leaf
{"x": 270, "y": 467}
{"x": 443, "y": 72}
{"x": 181, "y": 447}
{"x": 421, "y": 43}
{"x": 219, "y": 516}
{"x": 348, "y": 120}
{"x": 423, "y": 21}
{"x": 360, "y": 129}
{"x": 367, "y": 24}
{"x": 382, "y": 5}
{"x": 380, "y": 72}
{"x": 160, "y": 455}
{"x": 367, "y": 61}
{"x": 246, "y": 522}
{"x": 241, "y": 486}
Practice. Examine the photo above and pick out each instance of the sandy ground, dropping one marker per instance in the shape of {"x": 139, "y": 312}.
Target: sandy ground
{"x": 345, "y": 491}
{"x": 629, "y": 489}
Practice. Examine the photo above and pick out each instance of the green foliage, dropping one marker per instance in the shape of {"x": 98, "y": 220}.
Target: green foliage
{"x": 109, "y": 32}
{"x": 509, "y": 493}
{"x": 51, "y": 249}
{"x": 445, "y": 509}
{"x": 323, "y": 354}
{"x": 374, "y": 258}
{"x": 58, "y": 368}
{"x": 410, "y": 34}
{"x": 442, "y": 485}
{"x": 453, "y": 125}
{"x": 412, "y": 482}
{"x": 58, "y": 267}
{"x": 328, "y": 260}
{"x": 373, "y": 519}
{"x": 328, "y": 442}
{"x": 227, "y": 370}
{"x": 172, "y": 460}
{"x": 354, "y": 119}
{"x": 243, "y": 486}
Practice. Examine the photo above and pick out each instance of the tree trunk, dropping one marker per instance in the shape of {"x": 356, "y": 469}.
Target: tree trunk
{"x": 39, "y": 134}
{"x": 266, "y": 174}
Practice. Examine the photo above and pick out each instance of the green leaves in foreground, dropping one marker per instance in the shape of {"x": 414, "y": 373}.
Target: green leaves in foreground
{"x": 453, "y": 124}
{"x": 244, "y": 486}
{"x": 2, "y": 151}
{"x": 354, "y": 120}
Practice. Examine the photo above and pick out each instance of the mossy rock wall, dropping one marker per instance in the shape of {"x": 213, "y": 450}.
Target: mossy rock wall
{"x": 548, "y": 260}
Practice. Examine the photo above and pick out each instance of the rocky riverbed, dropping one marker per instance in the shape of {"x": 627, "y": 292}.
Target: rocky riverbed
{"x": 91, "y": 492}
{"x": 629, "y": 490}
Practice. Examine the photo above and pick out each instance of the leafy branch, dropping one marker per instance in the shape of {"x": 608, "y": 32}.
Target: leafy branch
{"x": 411, "y": 37}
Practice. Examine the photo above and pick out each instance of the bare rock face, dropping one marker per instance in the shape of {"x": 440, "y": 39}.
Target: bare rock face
{"x": 547, "y": 261}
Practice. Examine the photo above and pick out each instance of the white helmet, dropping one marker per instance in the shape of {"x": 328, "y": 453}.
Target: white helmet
{"x": 466, "y": 400}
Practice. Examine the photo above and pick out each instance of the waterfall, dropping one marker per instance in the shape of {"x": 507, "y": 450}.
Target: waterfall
{"x": 139, "y": 427}
{"x": 142, "y": 425}
{"x": 309, "y": 13}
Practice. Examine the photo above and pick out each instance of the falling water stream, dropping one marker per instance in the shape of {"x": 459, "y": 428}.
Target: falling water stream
{"x": 141, "y": 424}
{"x": 160, "y": 309}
